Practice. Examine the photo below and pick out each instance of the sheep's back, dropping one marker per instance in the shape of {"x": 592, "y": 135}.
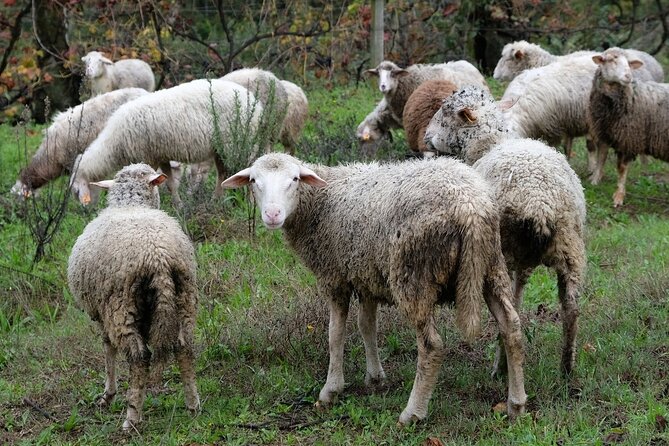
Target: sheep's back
{"x": 133, "y": 73}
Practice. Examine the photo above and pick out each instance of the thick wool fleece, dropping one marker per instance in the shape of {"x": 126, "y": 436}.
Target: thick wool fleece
{"x": 70, "y": 133}
{"x": 296, "y": 115}
{"x": 421, "y": 107}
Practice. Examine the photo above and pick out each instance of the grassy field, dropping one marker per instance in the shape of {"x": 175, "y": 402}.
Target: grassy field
{"x": 262, "y": 329}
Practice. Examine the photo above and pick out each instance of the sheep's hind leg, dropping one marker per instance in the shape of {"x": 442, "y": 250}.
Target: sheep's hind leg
{"x": 185, "y": 358}
{"x": 110, "y": 368}
{"x": 368, "y": 329}
{"x": 139, "y": 372}
{"x": 334, "y": 385}
{"x": 430, "y": 357}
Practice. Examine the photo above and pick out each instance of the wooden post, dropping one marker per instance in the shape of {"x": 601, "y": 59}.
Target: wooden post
{"x": 377, "y": 32}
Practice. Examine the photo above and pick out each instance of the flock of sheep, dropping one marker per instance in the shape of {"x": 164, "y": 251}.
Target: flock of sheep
{"x": 465, "y": 228}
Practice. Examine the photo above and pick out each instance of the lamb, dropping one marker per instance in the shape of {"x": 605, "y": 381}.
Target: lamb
{"x": 133, "y": 271}
{"x": 521, "y": 55}
{"x": 377, "y": 125}
{"x": 539, "y": 197}
{"x": 429, "y": 235}
{"x": 106, "y": 75}
{"x": 296, "y": 115}
{"x": 421, "y": 107}
{"x": 271, "y": 94}
{"x": 397, "y": 83}
{"x": 629, "y": 115}
{"x": 68, "y": 135}
{"x": 181, "y": 123}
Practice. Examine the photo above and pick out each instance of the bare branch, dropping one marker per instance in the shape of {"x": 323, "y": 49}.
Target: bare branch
{"x": 14, "y": 36}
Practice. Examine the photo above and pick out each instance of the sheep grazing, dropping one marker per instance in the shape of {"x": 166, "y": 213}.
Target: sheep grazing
{"x": 181, "y": 123}
{"x": 429, "y": 234}
{"x": 133, "y": 271}
{"x": 629, "y": 115}
{"x": 421, "y": 107}
{"x": 296, "y": 115}
{"x": 68, "y": 135}
{"x": 539, "y": 197}
{"x": 377, "y": 125}
{"x": 106, "y": 75}
{"x": 521, "y": 55}
{"x": 397, "y": 83}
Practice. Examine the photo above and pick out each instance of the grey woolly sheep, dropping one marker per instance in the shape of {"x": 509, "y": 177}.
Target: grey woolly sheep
{"x": 629, "y": 115}
{"x": 377, "y": 125}
{"x": 296, "y": 115}
{"x": 539, "y": 197}
{"x": 521, "y": 55}
{"x": 271, "y": 94}
{"x": 106, "y": 75}
{"x": 181, "y": 123}
{"x": 397, "y": 83}
{"x": 421, "y": 107}
{"x": 428, "y": 234}
{"x": 68, "y": 135}
{"x": 133, "y": 271}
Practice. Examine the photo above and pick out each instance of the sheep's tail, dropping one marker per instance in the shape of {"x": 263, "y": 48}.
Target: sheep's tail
{"x": 474, "y": 264}
{"x": 164, "y": 326}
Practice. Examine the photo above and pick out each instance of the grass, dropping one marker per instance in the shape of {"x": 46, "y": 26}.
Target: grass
{"x": 262, "y": 331}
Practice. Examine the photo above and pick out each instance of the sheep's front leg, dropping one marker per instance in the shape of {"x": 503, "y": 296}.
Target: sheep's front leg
{"x": 623, "y": 168}
{"x": 336, "y": 337}
{"x": 368, "y": 329}
{"x": 172, "y": 182}
{"x": 568, "y": 291}
{"x": 430, "y": 357}
{"x": 110, "y": 368}
{"x": 597, "y": 154}
{"x": 139, "y": 373}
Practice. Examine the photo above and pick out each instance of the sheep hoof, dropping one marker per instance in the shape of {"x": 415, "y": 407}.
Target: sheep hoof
{"x": 375, "y": 381}
{"x": 129, "y": 425}
{"x": 194, "y": 406}
{"x": 514, "y": 409}
{"x": 105, "y": 399}
{"x": 407, "y": 418}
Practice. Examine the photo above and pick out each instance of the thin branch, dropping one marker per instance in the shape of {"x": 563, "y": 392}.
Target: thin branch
{"x": 37, "y": 37}
{"x": 665, "y": 30}
{"x": 228, "y": 35}
{"x": 14, "y": 37}
{"x": 635, "y": 4}
{"x": 27, "y": 401}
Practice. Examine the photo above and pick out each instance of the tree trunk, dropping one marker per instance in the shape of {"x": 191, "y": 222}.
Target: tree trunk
{"x": 377, "y": 32}
{"x": 62, "y": 90}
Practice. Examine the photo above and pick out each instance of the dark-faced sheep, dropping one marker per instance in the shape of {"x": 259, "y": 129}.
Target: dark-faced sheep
{"x": 413, "y": 234}
{"x": 133, "y": 271}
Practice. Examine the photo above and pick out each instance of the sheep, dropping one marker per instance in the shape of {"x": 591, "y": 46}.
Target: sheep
{"x": 397, "y": 83}
{"x": 539, "y": 197}
{"x": 68, "y": 135}
{"x": 521, "y": 55}
{"x": 271, "y": 94}
{"x": 377, "y": 125}
{"x": 629, "y": 115}
{"x": 132, "y": 270}
{"x": 413, "y": 234}
{"x": 296, "y": 115}
{"x": 181, "y": 123}
{"x": 106, "y": 75}
{"x": 421, "y": 107}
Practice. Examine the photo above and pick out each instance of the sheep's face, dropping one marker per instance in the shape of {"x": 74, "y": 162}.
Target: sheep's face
{"x": 275, "y": 181}
{"x": 21, "y": 190}
{"x": 614, "y": 67}
{"x": 466, "y": 117}
{"x": 512, "y": 62}
{"x": 95, "y": 64}
{"x": 389, "y": 75}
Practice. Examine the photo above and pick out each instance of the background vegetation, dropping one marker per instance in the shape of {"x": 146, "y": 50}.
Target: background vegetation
{"x": 262, "y": 328}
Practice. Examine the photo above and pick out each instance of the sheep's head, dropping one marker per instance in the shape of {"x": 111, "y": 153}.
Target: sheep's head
{"x": 134, "y": 185}
{"x": 614, "y": 67}
{"x": 275, "y": 181}
{"x": 22, "y": 190}
{"x": 513, "y": 60}
{"x": 95, "y": 64}
{"x": 388, "y": 74}
{"x": 467, "y": 117}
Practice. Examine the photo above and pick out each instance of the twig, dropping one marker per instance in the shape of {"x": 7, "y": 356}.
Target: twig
{"x": 34, "y": 405}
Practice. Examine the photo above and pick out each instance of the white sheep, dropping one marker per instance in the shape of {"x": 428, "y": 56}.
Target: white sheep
{"x": 296, "y": 115}
{"x": 106, "y": 75}
{"x": 68, "y": 135}
{"x": 133, "y": 271}
{"x": 629, "y": 115}
{"x": 397, "y": 83}
{"x": 539, "y": 197}
{"x": 414, "y": 234}
{"x": 181, "y": 123}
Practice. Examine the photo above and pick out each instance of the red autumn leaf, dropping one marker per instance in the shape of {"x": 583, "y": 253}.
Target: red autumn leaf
{"x": 432, "y": 441}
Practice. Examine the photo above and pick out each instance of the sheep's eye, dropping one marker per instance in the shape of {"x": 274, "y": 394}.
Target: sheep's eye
{"x": 252, "y": 180}
{"x": 295, "y": 179}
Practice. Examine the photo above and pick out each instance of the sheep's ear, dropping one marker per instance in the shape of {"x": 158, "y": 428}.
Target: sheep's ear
{"x": 598, "y": 59}
{"x": 635, "y": 64}
{"x": 467, "y": 115}
{"x": 84, "y": 58}
{"x": 104, "y": 184}
{"x": 106, "y": 61}
{"x": 309, "y": 177}
{"x": 372, "y": 71}
{"x": 157, "y": 179}
{"x": 506, "y": 104}
{"x": 518, "y": 55}
{"x": 400, "y": 72}
{"x": 241, "y": 178}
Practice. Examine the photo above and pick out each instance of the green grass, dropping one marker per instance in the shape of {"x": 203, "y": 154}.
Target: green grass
{"x": 262, "y": 331}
